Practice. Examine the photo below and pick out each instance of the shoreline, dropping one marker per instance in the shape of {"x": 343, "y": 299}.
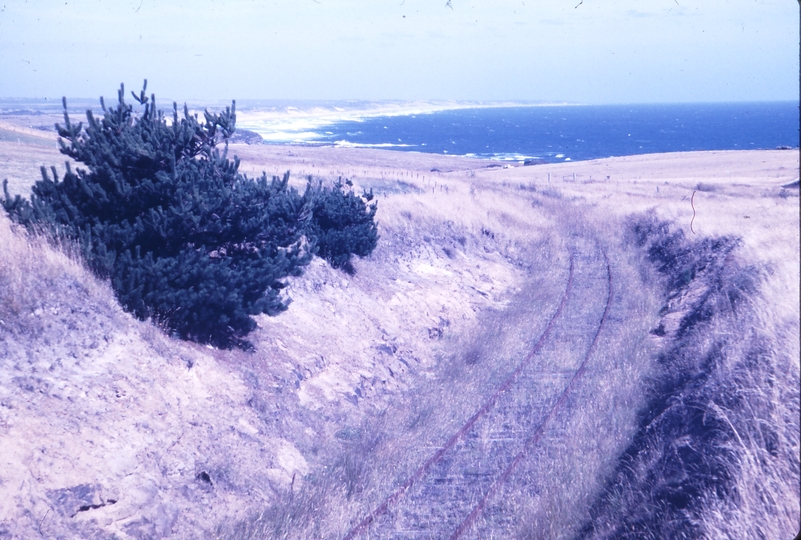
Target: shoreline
{"x": 496, "y": 157}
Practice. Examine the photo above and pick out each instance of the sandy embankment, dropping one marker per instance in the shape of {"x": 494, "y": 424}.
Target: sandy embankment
{"x": 114, "y": 427}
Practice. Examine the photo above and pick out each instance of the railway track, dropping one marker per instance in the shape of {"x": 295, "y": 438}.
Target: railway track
{"x": 445, "y": 495}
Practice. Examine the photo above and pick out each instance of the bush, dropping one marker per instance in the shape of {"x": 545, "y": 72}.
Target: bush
{"x": 342, "y": 225}
{"x": 184, "y": 237}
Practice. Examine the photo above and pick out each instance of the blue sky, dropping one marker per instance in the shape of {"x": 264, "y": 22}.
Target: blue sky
{"x": 595, "y": 51}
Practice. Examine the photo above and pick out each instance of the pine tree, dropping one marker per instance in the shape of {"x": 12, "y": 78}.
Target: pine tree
{"x": 184, "y": 238}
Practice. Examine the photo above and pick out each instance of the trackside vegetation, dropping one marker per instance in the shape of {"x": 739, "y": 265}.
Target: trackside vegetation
{"x": 184, "y": 238}
{"x": 716, "y": 450}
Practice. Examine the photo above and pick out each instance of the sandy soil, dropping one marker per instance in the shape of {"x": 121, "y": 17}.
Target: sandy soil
{"x": 107, "y": 427}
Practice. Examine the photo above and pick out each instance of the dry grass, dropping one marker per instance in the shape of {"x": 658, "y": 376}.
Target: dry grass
{"x": 376, "y": 448}
{"x": 720, "y": 435}
{"x": 365, "y": 376}
{"x": 23, "y": 150}
{"x": 107, "y": 425}
{"x": 38, "y": 282}
{"x": 608, "y": 405}
{"x": 760, "y": 381}
{"x": 371, "y": 457}
{"x": 551, "y": 493}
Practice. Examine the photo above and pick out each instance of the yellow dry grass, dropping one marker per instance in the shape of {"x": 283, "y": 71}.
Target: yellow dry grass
{"x": 364, "y": 375}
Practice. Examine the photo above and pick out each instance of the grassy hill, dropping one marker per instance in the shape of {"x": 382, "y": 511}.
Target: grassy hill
{"x": 109, "y": 427}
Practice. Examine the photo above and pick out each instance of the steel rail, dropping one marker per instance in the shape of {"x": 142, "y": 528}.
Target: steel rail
{"x": 423, "y": 469}
{"x": 535, "y": 438}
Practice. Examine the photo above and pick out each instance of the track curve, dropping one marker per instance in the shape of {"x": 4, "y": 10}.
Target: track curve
{"x": 535, "y": 438}
{"x": 450, "y": 489}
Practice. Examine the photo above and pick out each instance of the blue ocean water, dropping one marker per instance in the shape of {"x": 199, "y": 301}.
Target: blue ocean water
{"x": 571, "y": 132}
{"x": 548, "y": 133}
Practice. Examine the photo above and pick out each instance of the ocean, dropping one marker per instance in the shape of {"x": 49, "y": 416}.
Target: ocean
{"x": 546, "y": 133}
{"x": 506, "y": 132}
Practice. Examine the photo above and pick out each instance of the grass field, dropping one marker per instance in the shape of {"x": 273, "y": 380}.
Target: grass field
{"x": 684, "y": 421}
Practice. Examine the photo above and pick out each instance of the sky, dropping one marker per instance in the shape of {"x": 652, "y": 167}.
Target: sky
{"x": 577, "y": 51}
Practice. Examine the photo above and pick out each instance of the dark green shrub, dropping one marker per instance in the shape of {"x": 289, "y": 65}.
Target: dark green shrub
{"x": 184, "y": 237}
{"x": 343, "y": 225}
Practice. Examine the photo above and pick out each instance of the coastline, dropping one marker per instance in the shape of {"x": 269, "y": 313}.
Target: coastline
{"x": 550, "y": 134}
